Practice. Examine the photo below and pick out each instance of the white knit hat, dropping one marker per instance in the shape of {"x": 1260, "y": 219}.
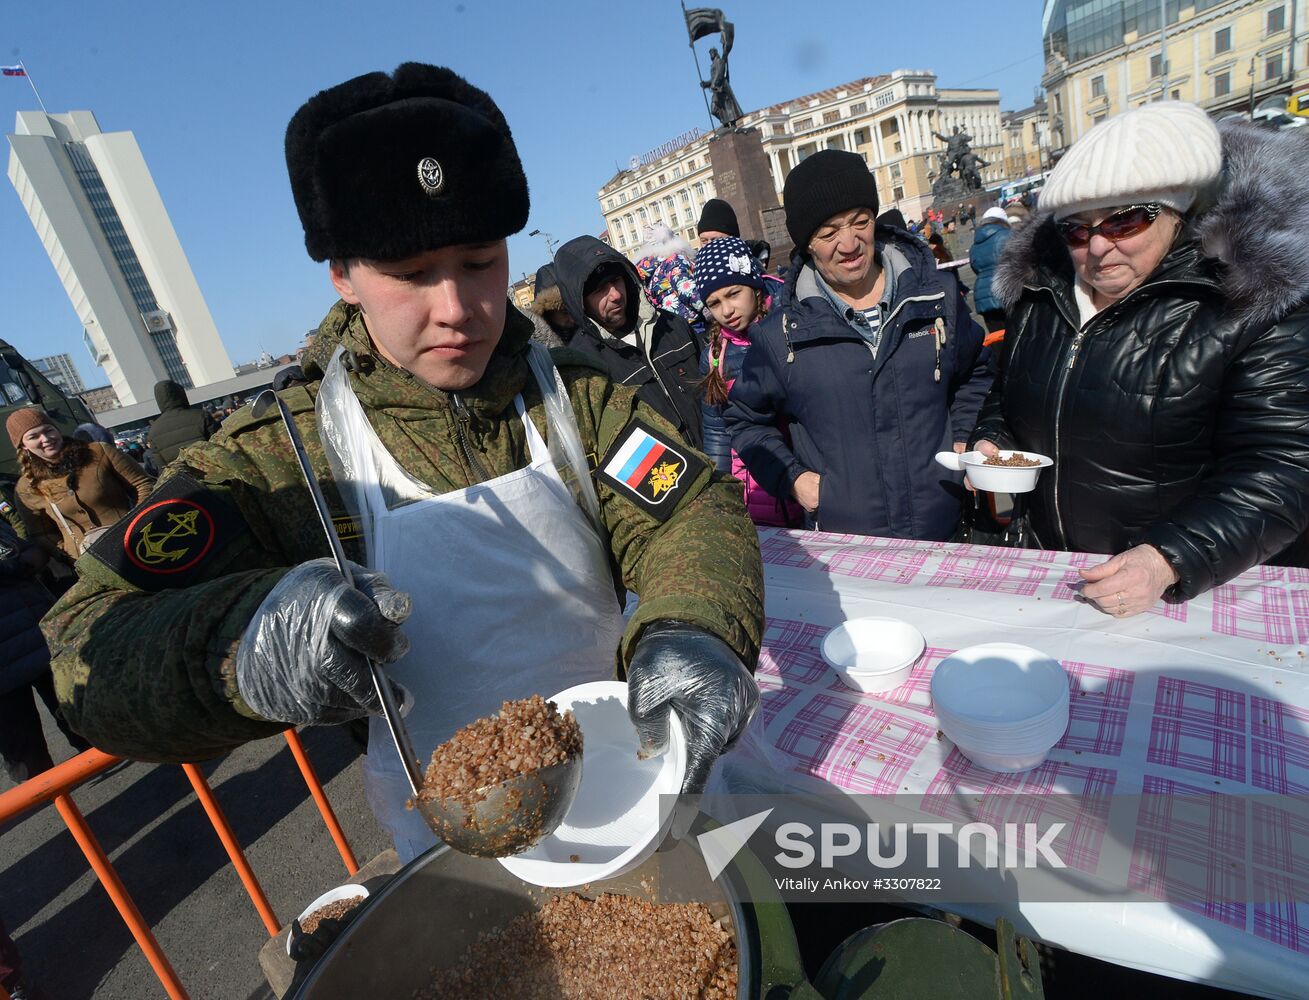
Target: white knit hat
{"x": 1165, "y": 152}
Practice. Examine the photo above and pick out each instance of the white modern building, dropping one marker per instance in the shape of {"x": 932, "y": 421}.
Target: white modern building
{"x": 98, "y": 214}
{"x": 60, "y": 370}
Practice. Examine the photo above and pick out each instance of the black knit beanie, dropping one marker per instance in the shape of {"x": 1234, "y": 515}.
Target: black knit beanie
{"x": 389, "y": 166}
{"x": 828, "y": 183}
{"x": 718, "y": 216}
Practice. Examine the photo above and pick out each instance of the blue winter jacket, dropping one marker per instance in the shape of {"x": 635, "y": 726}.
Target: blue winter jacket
{"x": 869, "y": 426}
{"x": 984, "y": 258}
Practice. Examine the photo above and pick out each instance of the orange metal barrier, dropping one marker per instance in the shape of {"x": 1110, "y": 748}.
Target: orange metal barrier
{"x": 56, "y": 784}
{"x": 53, "y": 786}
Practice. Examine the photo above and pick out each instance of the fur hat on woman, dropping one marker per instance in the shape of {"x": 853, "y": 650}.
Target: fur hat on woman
{"x": 1164, "y": 153}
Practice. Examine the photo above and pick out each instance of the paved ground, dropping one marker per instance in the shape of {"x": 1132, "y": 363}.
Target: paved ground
{"x": 157, "y": 836}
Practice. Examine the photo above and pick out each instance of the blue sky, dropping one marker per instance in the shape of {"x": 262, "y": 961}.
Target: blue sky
{"x": 585, "y": 84}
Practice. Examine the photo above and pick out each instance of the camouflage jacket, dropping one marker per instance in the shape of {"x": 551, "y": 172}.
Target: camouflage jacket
{"x": 144, "y": 644}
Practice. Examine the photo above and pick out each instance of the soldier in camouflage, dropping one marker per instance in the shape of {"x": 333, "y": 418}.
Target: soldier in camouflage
{"x": 209, "y": 616}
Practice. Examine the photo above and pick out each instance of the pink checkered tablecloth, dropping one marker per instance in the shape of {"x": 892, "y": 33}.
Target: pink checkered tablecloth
{"x": 1207, "y": 700}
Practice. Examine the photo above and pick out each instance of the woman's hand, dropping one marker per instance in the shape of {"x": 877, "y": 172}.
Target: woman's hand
{"x": 1130, "y": 582}
{"x": 986, "y": 448}
{"x": 805, "y": 489}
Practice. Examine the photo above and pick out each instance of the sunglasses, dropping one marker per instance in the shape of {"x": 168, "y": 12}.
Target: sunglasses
{"x": 1121, "y": 225}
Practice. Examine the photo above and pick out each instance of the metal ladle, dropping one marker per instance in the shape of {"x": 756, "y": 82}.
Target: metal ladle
{"x": 500, "y": 819}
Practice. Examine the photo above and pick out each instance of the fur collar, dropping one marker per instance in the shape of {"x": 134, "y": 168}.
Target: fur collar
{"x": 1256, "y": 226}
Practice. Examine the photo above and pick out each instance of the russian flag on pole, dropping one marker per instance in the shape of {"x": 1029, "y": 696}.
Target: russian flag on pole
{"x": 13, "y": 71}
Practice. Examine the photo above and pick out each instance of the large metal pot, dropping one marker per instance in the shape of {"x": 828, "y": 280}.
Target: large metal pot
{"x": 435, "y": 907}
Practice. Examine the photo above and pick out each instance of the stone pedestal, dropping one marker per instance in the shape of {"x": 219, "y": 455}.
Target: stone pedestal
{"x": 742, "y": 178}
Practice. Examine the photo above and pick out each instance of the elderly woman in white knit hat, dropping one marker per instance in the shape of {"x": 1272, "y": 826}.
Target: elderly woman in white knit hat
{"x": 1159, "y": 353}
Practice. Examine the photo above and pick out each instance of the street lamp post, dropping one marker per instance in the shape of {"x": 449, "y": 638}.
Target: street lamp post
{"x": 550, "y": 241}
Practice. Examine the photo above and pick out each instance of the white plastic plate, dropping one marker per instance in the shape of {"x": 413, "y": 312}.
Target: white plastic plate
{"x": 617, "y": 819}
{"x": 349, "y": 891}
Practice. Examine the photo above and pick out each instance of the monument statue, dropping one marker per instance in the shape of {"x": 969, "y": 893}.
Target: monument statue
{"x": 701, "y": 22}
{"x": 961, "y": 168}
{"x": 722, "y": 105}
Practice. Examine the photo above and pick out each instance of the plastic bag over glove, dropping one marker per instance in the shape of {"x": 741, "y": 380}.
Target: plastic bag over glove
{"x": 304, "y": 657}
{"x": 679, "y": 667}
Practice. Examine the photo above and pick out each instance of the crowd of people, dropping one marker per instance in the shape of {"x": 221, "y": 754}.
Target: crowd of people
{"x": 624, "y": 433}
{"x": 1150, "y": 359}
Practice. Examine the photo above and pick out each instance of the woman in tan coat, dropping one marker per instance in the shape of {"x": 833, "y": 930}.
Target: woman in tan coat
{"x": 70, "y": 489}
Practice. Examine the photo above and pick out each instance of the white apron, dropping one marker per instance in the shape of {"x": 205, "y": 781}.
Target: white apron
{"x": 511, "y": 585}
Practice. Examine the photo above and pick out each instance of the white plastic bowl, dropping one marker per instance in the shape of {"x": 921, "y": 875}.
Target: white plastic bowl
{"x": 1003, "y": 705}
{"x": 624, "y": 805}
{"x": 873, "y": 654}
{"x": 349, "y": 891}
{"x": 996, "y": 478}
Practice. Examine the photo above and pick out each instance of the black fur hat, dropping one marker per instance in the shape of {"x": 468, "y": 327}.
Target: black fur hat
{"x": 386, "y": 167}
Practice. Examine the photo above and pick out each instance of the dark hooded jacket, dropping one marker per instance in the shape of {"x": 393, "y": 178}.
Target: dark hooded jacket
{"x": 1178, "y": 416}
{"x": 665, "y": 362}
{"x": 869, "y": 425}
{"x": 178, "y": 424}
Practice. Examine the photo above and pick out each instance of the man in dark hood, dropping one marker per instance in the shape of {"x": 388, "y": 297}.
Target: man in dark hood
{"x": 638, "y": 344}
{"x": 548, "y": 304}
{"x": 178, "y": 423}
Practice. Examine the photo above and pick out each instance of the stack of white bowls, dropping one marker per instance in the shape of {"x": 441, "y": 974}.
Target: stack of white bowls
{"x": 1003, "y": 705}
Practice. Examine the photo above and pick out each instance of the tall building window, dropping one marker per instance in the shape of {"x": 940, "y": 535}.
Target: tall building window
{"x": 1222, "y": 84}
{"x": 1273, "y": 67}
{"x": 859, "y": 108}
{"x": 803, "y": 123}
{"x": 1275, "y": 21}
{"x": 1156, "y": 66}
{"x": 1097, "y": 86}
{"x": 1223, "y": 40}
{"x": 831, "y": 116}
{"x": 897, "y": 194}
{"x": 1058, "y": 103}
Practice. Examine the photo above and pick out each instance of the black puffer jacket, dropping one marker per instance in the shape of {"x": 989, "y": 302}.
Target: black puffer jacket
{"x": 665, "y": 367}
{"x": 177, "y": 424}
{"x": 1179, "y": 416}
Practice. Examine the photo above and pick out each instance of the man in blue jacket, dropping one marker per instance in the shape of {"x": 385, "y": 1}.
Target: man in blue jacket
{"x": 871, "y": 363}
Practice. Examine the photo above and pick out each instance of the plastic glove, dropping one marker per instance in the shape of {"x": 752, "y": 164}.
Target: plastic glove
{"x": 678, "y": 666}
{"x": 303, "y": 658}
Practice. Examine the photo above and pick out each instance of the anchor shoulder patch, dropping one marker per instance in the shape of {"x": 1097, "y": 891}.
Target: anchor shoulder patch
{"x": 651, "y": 469}
{"x": 168, "y": 540}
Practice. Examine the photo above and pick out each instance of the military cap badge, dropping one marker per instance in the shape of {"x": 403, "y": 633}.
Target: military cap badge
{"x": 430, "y": 176}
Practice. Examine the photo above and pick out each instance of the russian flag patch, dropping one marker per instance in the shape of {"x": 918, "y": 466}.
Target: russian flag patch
{"x": 645, "y": 465}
